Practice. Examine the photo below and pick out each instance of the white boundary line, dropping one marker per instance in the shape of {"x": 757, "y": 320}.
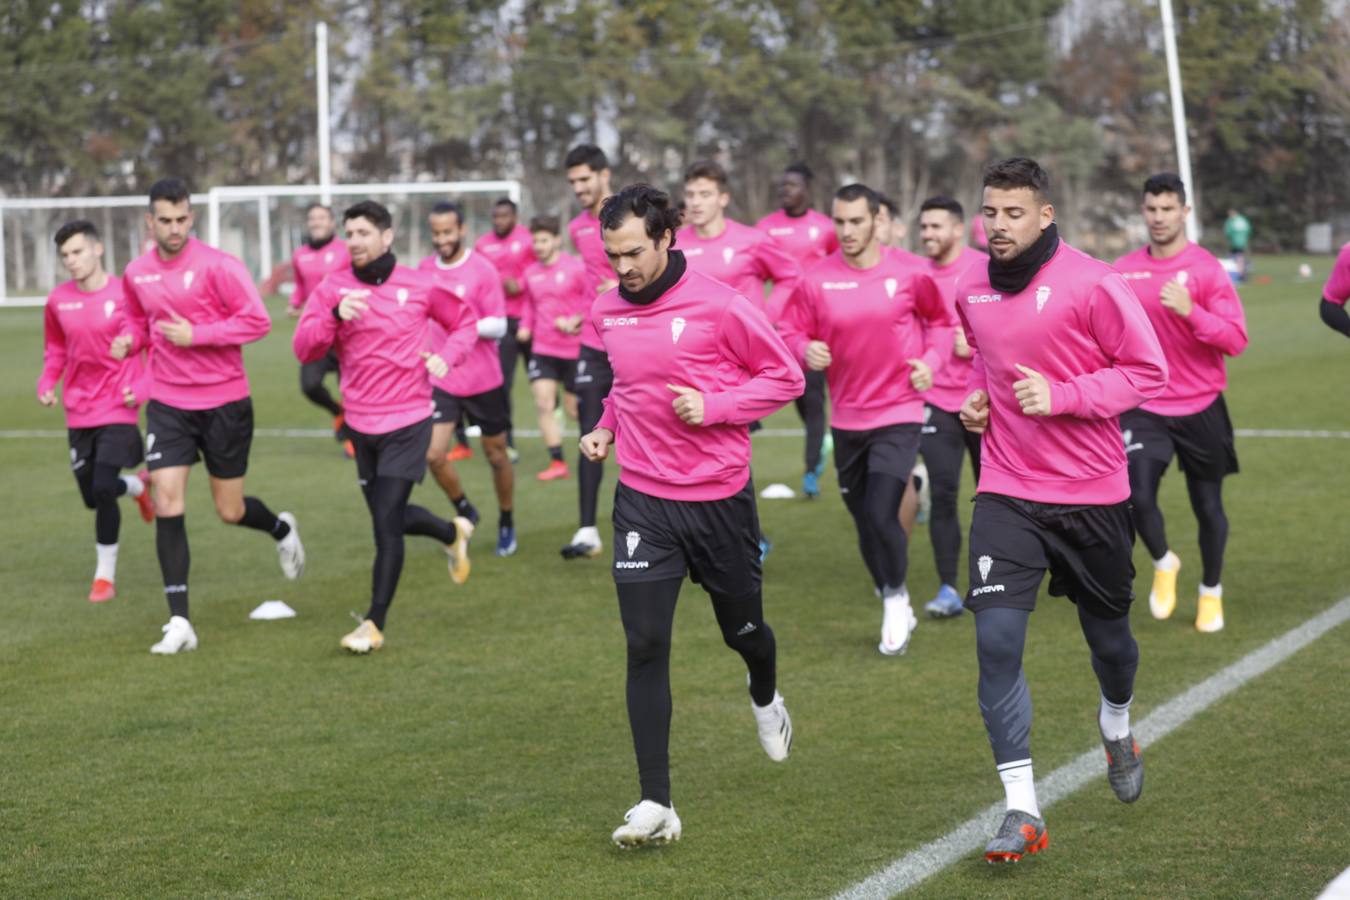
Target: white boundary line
{"x": 934, "y": 856}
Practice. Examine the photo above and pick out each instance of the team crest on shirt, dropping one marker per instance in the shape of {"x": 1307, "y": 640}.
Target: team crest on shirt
{"x": 108, "y": 307}
{"x": 1042, "y": 297}
{"x": 891, "y": 285}
{"x": 813, "y": 232}
{"x": 515, "y": 246}
{"x": 187, "y": 279}
{"x": 986, "y": 564}
{"x": 631, "y": 541}
{"x": 560, "y": 277}
{"x": 1182, "y": 277}
{"x": 676, "y": 329}
{"x": 727, "y": 254}
{"x": 461, "y": 290}
{"x": 328, "y": 258}
{"x": 402, "y": 296}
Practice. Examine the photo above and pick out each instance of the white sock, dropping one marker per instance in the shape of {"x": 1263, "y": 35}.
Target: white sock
{"x": 1114, "y": 719}
{"x": 135, "y": 487}
{"x": 896, "y": 595}
{"x": 1169, "y": 561}
{"x": 1020, "y": 786}
{"x": 107, "y": 562}
{"x": 1216, "y": 590}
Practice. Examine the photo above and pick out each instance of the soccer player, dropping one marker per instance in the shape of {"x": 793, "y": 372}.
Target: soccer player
{"x": 377, "y": 316}
{"x": 195, "y": 307}
{"x": 807, "y": 236}
{"x": 878, "y": 328}
{"x": 558, "y": 296}
{"x": 319, "y": 255}
{"x": 1062, "y": 347}
{"x": 694, "y": 363}
{"x": 942, "y": 441}
{"x": 891, "y": 228}
{"x": 1335, "y": 294}
{"x": 508, "y": 247}
{"x": 1238, "y": 230}
{"x": 1198, "y": 318}
{"x": 101, "y": 394}
{"x": 588, "y": 175}
{"x": 473, "y": 388}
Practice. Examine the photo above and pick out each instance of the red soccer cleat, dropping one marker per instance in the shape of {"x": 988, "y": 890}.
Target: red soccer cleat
{"x": 101, "y": 591}
{"x": 459, "y": 453}
{"x": 144, "y": 503}
{"x": 556, "y": 469}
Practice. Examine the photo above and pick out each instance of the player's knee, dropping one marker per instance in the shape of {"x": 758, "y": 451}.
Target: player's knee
{"x": 750, "y": 638}
{"x": 647, "y": 644}
{"x": 230, "y": 510}
{"x": 994, "y": 650}
{"x": 103, "y": 494}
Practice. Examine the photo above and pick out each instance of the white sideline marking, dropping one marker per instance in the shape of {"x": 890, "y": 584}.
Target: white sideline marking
{"x": 934, "y": 856}
{"x": 1338, "y": 889}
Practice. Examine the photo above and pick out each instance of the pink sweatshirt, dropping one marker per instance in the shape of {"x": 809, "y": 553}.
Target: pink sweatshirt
{"x": 1196, "y": 344}
{"x": 1337, "y": 289}
{"x": 806, "y": 238}
{"x": 553, "y": 292}
{"x": 589, "y": 242}
{"x": 949, "y": 383}
{"x": 1078, "y": 324}
{"x": 78, "y": 333}
{"x": 212, "y": 290}
{"x": 385, "y": 385}
{"x": 475, "y": 281}
{"x": 511, "y": 255}
{"x": 743, "y": 259}
{"x": 699, "y": 334}
{"x": 308, "y": 266}
{"x": 873, "y": 320}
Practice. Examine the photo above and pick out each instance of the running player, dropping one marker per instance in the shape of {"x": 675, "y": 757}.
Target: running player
{"x": 807, "y": 236}
{"x": 473, "y": 389}
{"x": 558, "y": 296}
{"x": 1335, "y": 294}
{"x": 319, "y": 255}
{"x": 694, "y": 363}
{"x": 1062, "y": 347}
{"x": 1198, "y": 318}
{"x": 588, "y": 175}
{"x": 377, "y": 316}
{"x": 508, "y": 247}
{"x": 878, "y": 328}
{"x": 942, "y": 440}
{"x": 101, "y": 393}
{"x": 891, "y": 228}
{"x": 195, "y": 307}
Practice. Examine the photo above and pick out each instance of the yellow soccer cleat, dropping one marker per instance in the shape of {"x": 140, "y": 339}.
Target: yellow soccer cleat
{"x": 1209, "y": 617}
{"x": 457, "y": 554}
{"x": 364, "y": 639}
{"x": 1162, "y": 598}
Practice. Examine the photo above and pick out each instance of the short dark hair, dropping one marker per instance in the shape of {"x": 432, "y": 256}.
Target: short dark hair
{"x": 506, "y": 201}
{"x": 851, "y": 192}
{"x": 802, "y": 169}
{"x": 885, "y": 200}
{"x": 547, "y": 223}
{"x": 445, "y": 207}
{"x": 1166, "y": 183}
{"x": 942, "y": 201}
{"x": 709, "y": 169}
{"x": 586, "y": 155}
{"x": 650, "y": 204}
{"x": 1018, "y": 172}
{"x": 372, "y": 212}
{"x": 72, "y": 228}
{"x": 174, "y": 190}
{"x": 317, "y": 205}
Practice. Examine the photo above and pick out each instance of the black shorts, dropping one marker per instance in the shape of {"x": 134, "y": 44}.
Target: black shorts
{"x": 554, "y": 368}
{"x": 715, "y": 541}
{"x": 106, "y": 445}
{"x": 1202, "y": 442}
{"x": 221, "y": 436}
{"x": 1088, "y": 551}
{"x": 889, "y": 450}
{"x": 593, "y": 371}
{"x": 487, "y": 410}
{"x": 401, "y": 453}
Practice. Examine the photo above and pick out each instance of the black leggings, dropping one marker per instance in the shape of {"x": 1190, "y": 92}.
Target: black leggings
{"x": 508, "y": 351}
{"x": 1206, "y": 502}
{"x": 311, "y": 385}
{"x": 590, "y": 406}
{"x": 942, "y": 454}
{"x": 100, "y": 486}
{"x": 811, "y": 407}
{"x": 393, "y": 517}
{"x": 648, "y": 612}
{"x": 884, "y": 546}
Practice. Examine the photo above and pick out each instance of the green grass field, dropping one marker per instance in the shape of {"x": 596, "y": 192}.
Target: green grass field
{"x": 485, "y": 751}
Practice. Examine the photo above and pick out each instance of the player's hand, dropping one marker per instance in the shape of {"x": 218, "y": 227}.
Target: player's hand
{"x": 818, "y": 357}
{"x": 435, "y": 365}
{"x": 688, "y": 405}
{"x": 569, "y": 324}
{"x": 960, "y": 346}
{"x": 179, "y": 331}
{"x": 1032, "y": 392}
{"x": 595, "y": 446}
{"x": 1176, "y": 298}
{"x": 975, "y": 412}
{"x": 511, "y": 286}
{"x": 523, "y": 334}
{"x": 293, "y": 311}
{"x": 351, "y": 305}
{"x": 47, "y": 398}
{"x": 128, "y": 397}
{"x": 921, "y": 374}
{"x": 120, "y": 347}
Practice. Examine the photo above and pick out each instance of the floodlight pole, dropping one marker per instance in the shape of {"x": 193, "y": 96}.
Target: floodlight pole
{"x": 1179, "y": 118}
{"x": 321, "y": 88}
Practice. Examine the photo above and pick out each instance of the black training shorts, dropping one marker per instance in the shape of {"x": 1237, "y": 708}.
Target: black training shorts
{"x": 1202, "y": 442}
{"x": 487, "y": 410}
{"x": 221, "y": 436}
{"x": 401, "y": 453}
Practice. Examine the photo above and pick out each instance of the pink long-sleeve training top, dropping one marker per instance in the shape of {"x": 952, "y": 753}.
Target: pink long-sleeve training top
{"x": 511, "y": 254}
{"x": 78, "y": 331}
{"x": 561, "y": 290}
{"x": 589, "y": 242}
{"x": 744, "y": 259}
{"x": 1195, "y": 345}
{"x": 1337, "y": 289}
{"x": 873, "y": 321}
{"x": 699, "y": 334}
{"x": 949, "y": 383}
{"x": 475, "y": 281}
{"x": 212, "y": 290}
{"x": 309, "y": 265}
{"x": 385, "y": 384}
{"x": 1078, "y": 324}
{"x": 807, "y": 238}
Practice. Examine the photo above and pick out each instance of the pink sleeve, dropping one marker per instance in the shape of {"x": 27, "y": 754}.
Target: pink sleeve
{"x": 609, "y": 420}
{"x": 528, "y": 314}
{"x": 797, "y": 320}
{"x": 459, "y": 322}
{"x": 977, "y": 380}
{"x": 1337, "y": 289}
{"x": 298, "y": 294}
{"x": 318, "y": 326}
{"x": 1220, "y": 322}
{"x": 247, "y": 321}
{"x": 831, "y": 240}
{"x": 775, "y": 265}
{"x": 53, "y": 351}
{"x": 747, "y": 338}
{"x": 138, "y": 326}
{"x": 140, "y": 384}
{"x": 1137, "y": 371}
{"x": 939, "y": 329}
{"x": 494, "y": 299}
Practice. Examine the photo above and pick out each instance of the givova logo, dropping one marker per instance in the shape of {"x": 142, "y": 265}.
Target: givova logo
{"x": 631, "y": 540}
{"x": 986, "y": 565}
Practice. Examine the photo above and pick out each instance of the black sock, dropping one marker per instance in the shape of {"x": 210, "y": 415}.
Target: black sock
{"x": 258, "y": 516}
{"x": 505, "y": 519}
{"x": 463, "y": 506}
{"x": 171, "y": 545}
{"x": 555, "y": 453}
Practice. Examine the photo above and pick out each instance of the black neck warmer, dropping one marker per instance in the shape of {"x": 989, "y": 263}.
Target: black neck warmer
{"x": 1013, "y": 276}
{"x": 674, "y": 272}
{"x": 377, "y": 271}
{"x": 319, "y": 245}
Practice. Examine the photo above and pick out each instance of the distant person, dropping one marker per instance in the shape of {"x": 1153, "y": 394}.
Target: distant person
{"x": 891, "y": 228}
{"x": 315, "y": 258}
{"x": 1239, "y": 233}
{"x": 508, "y": 247}
{"x": 1335, "y": 294}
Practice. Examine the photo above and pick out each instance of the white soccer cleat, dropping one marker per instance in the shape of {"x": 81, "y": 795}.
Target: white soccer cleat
{"x": 289, "y": 549}
{"x": 775, "y": 727}
{"x": 457, "y": 554}
{"x": 925, "y": 492}
{"x": 647, "y": 823}
{"x": 585, "y": 543}
{"x": 897, "y": 624}
{"x": 178, "y": 635}
{"x": 365, "y": 638}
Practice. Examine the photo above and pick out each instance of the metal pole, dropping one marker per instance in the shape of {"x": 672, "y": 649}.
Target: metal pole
{"x": 1179, "y": 118}
{"x": 264, "y": 239}
{"x": 4, "y": 290}
{"x": 321, "y": 87}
